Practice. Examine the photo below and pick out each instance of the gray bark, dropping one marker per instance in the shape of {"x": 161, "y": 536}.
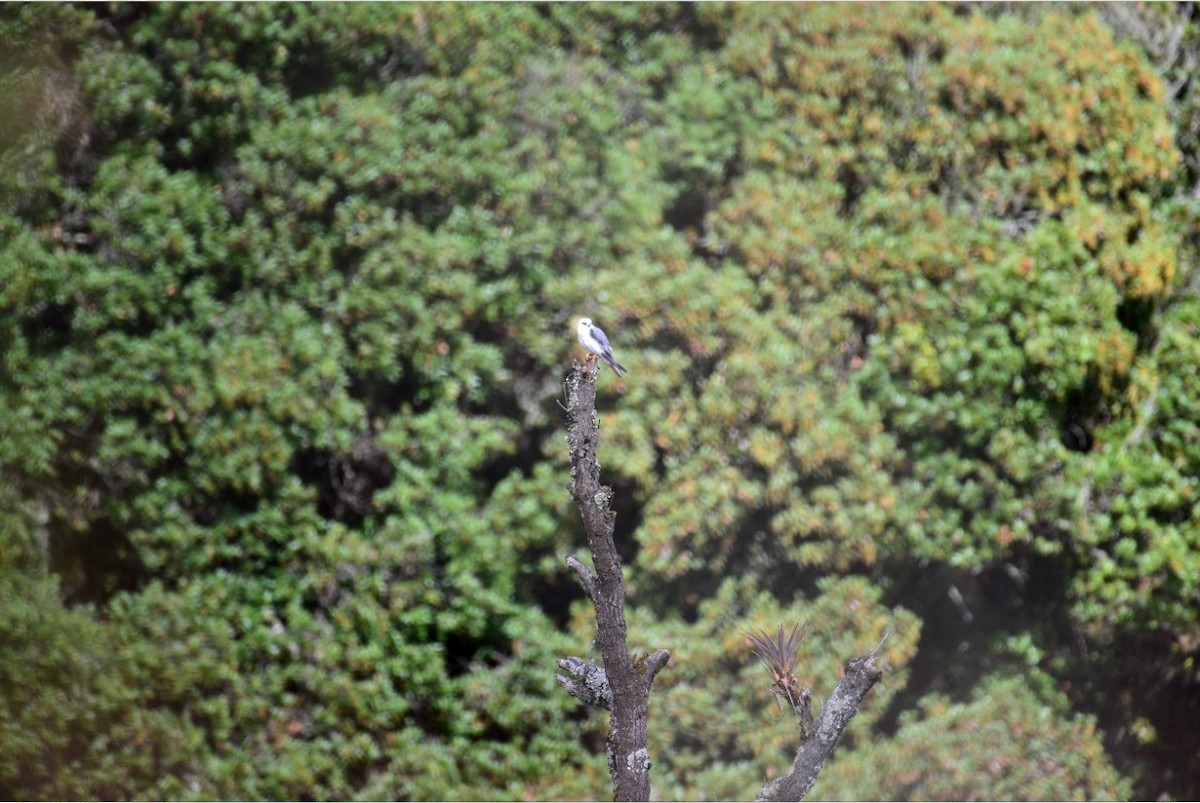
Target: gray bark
{"x": 623, "y": 685}
{"x": 817, "y": 744}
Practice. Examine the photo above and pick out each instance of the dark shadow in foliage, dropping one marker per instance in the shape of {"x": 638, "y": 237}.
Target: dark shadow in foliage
{"x": 49, "y": 331}
{"x": 346, "y": 482}
{"x": 94, "y": 564}
{"x": 966, "y": 617}
{"x": 384, "y": 396}
{"x": 1137, "y": 315}
{"x": 1167, "y": 760}
{"x": 854, "y": 185}
{"x": 1083, "y": 412}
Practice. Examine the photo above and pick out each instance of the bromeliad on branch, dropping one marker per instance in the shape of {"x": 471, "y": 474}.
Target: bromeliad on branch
{"x": 778, "y": 654}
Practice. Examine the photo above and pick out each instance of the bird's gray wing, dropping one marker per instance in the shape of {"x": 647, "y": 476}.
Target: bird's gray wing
{"x": 601, "y": 340}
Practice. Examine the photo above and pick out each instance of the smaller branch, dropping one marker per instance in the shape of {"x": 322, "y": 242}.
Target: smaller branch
{"x": 802, "y": 705}
{"x": 861, "y": 675}
{"x": 879, "y": 646}
{"x": 587, "y": 577}
{"x": 652, "y": 664}
{"x": 590, "y": 683}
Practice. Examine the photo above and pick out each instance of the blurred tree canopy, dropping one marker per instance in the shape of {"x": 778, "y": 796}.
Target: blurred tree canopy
{"x": 287, "y": 292}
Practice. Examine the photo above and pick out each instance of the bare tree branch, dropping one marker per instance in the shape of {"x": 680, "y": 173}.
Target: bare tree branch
{"x": 588, "y": 682}
{"x": 623, "y": 685}
{"x": 587, "y": 577}
{"x": 818, "y": 742}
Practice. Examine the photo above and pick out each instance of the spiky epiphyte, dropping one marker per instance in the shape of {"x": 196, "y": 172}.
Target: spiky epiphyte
{"x": 778, "y": 654}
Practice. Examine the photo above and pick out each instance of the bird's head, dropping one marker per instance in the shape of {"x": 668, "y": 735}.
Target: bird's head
{"x": 584, "y": 324}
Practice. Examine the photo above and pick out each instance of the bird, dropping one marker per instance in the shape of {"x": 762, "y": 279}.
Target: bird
{"x": 592, "y": 338}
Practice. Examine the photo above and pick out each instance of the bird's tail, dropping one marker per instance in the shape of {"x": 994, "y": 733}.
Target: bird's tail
{"x": 618, "y": 369}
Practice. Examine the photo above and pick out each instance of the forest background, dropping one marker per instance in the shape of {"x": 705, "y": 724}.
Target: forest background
{"x": 908, "y": 294}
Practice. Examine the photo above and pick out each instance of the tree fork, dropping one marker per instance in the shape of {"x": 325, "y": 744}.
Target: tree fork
{"x": 818, "y": 739}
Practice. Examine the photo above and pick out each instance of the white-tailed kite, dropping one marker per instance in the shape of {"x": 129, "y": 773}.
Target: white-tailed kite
{"x": 593, "y": 339}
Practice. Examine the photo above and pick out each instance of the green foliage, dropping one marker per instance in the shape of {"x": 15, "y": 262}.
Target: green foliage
{"x": 50, "y": 672}
{"x": 44, "y": 120}
{"x": 1008, "y": 740}
{"x": 1140, "y": 542}
{"x": 79, "y": 714}
{"x": 286, "y": 296}
{"x": 715, "y": 693}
